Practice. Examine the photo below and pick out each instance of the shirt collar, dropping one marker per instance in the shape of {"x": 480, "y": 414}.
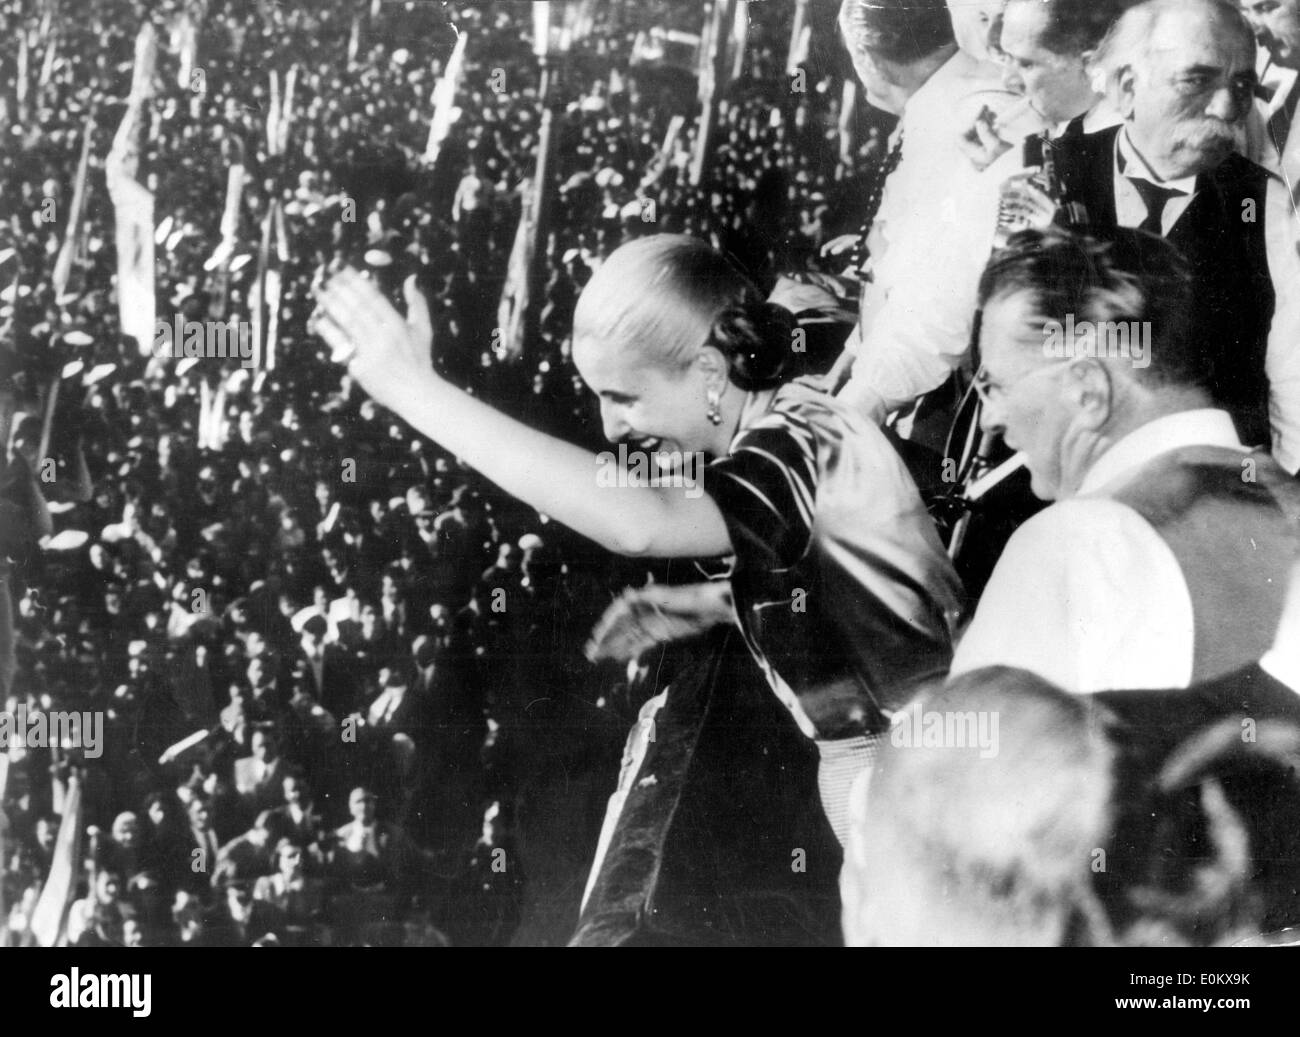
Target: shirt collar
{"x": 1101, "y": 116}
{"x": 1206, "y": 426}
{"x": 1281, "y": 663}
{"x": 1130, "y": 164}
{"x": 935, "y": 89}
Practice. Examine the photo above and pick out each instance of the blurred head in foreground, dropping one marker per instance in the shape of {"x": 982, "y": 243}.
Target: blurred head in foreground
{"x": 1060, "y": 836}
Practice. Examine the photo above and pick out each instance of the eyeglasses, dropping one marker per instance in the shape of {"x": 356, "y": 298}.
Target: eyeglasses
{"x": 986, "y": 388}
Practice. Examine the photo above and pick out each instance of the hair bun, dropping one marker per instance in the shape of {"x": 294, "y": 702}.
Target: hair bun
{"x": 757, "y": 338}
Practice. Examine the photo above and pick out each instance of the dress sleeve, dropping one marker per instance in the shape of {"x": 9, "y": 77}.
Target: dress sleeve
{"x": 765, "y": 490}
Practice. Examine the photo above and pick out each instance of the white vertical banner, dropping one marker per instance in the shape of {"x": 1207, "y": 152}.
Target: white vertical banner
{"x": 205, "y": 415}
{"x": 354, "y": 40}
{"x": 47, "y": 63}
{"x": 273, "y": 116}
{"x": 515, "y": 294}
{"x": 49, "y": 920}
{"x": 257, "y": 294}
{"x": 286, "y": 110}
{"x": 277, "y": 257}
{"x": 133, "y": 204}
{"x": 218, "y": 264}
{"x": 739, "y": 38}
{"x": 675, "y": 125}
{"x": 800, "y": 38}
{"x": 72, "y": 233}
{"x": 541, "y": 27}
{"x": 21, "y": 85}
{"x": 136, "y": 302}
{"x": 146, "y": 62}
{"x": 444, "y": 98}
{"x": 234, "y": 191}
{"x": 185, "y": 44}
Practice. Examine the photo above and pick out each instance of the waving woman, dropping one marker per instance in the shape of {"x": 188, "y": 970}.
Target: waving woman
{"x": 841, "y": 587}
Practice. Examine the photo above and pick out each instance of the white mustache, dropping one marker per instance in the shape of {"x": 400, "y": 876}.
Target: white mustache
{"x": 1206, "y": 133}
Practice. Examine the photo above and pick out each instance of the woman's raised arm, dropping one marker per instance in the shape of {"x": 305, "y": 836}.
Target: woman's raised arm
{"x": 390, "y": 357}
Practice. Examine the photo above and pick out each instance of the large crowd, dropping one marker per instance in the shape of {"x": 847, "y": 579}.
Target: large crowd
{"x": 354, "y": 691}
{"x": 384, "y": 651}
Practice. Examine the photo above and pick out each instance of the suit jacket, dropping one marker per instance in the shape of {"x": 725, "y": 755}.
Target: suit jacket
{"x": 263, "y": 919}
{"x": 336, "y": 690}
{"x": 306, "y": 831}
{"x": 1266, "y": 798}
{"x": 299, "y": 906}
{"x": 1234, "y": 293}
{"x": 200, "y": 864}
{"x": 396, "y": 856}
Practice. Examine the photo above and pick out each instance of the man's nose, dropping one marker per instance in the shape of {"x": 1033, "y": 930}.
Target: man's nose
{"x": 1228, "y": 104}
{"x": 991, "y": 418}
{"x": 1011, "y": 78}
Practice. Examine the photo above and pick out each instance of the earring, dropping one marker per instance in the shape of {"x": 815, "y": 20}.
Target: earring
{"x": 714, "y": 412}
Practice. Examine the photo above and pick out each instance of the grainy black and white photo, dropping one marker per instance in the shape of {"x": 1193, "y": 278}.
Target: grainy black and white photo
{"x": 733, "y": 473}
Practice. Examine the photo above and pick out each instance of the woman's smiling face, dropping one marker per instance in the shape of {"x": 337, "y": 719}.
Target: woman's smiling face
{"x": 645, "y": 404}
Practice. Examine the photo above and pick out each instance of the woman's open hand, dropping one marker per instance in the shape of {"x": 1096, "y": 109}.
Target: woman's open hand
{"x": 645, "y": 617}
{"x": 387, "y": 353}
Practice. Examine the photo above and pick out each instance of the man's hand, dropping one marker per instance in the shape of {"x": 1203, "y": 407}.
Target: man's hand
{"x": 1024, "y": 204}
{"x": 981, "y": 143}
{"x": 839, "y": 245}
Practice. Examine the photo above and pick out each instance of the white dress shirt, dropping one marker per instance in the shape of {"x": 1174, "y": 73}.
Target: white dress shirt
{"x": 920, "y": 212}
{"x": 1130, "y": 208}
{"x": 1087, "y": 594}
{"x": 920, "y": 332}
{"x": 1282, "y": 663}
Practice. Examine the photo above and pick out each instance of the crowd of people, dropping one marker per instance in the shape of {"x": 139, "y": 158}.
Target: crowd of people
{"x": 335, "y": 618}
{"x": 383, "y": 650}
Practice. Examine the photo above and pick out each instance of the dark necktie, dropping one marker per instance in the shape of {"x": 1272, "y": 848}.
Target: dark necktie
{"x": 1156, "y": 198}
{"x": 1279, "y": 126}
{"x": 875, "y": 194}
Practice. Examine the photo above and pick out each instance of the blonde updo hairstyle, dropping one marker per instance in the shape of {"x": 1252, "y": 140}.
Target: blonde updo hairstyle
{"x": 667, "y": 296}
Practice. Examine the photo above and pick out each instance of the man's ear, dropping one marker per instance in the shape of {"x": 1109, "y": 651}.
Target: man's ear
{"x": 1092, "y": 391}
{"x": 1126, "y": 91}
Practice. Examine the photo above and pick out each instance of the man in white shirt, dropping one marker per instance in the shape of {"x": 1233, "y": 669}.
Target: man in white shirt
{"x": 1181, "y": 74}
{"x": 921, "y": 331}
{"x": 909, "y": 64}
{"x": 258, "y": 777}
{"x": 1157, "y": 564}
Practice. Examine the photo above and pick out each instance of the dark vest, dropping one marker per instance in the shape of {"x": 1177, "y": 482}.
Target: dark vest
{"x": 1232, "y": 522}
{"x": 1234, "y": 296}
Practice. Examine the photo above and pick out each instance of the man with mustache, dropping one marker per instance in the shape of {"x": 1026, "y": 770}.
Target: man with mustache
{"x": 1182, "y": 74}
